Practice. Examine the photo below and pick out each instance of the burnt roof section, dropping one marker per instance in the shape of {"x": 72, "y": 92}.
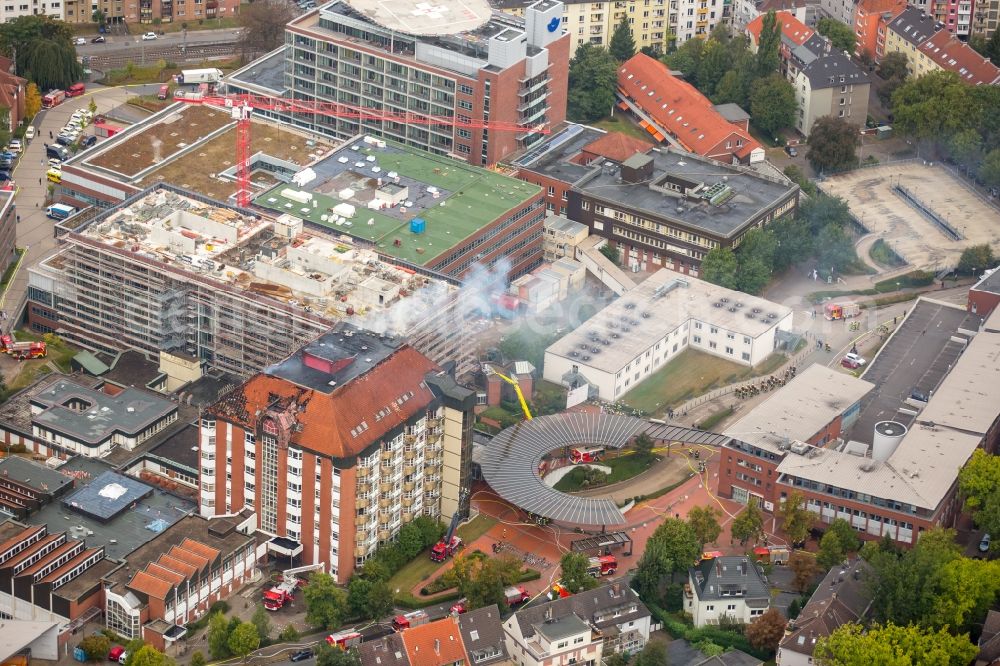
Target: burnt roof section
{"x": 335, "y": 358}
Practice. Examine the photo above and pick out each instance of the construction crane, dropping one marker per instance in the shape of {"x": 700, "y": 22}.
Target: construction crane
{"x": 242, "y": 106}
{"x": 490, "y": 370}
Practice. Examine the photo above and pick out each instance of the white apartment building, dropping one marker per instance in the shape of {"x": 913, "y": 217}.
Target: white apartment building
{"x": 732, "y": 587}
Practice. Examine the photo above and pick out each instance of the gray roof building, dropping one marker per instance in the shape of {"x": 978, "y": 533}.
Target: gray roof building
{"x": 833, "y": 70}
{"x": 482, "y": 635}
{"x": 914, "y": 25}
{"x": 842, "y": 597}
{"x": 598, "y": 607}
{"x": 682, "y": 653}
{"x": 728, "y": 577}
{"x": 386, "y": 651}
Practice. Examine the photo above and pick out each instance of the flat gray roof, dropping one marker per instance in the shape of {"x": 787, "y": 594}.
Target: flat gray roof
{"x": 510, "y": 463}
{"x": 92, "y": 416}
{"x": 753, "y": 193}
{"x": 799, "y": 409}
{"x": 551, "y": 157}
{"x": 663, "y": 302}
{"x": 267, "y": 72}
{"x": 990, "y": 282}
{"x": 33, "y": 475}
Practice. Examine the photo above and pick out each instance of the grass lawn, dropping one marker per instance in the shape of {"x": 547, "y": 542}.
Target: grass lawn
{"x": 691, "y": 374}
{"x": 622, "y": 469}
{"x": 621, "y": 123}
{"x": 422, "y": 567}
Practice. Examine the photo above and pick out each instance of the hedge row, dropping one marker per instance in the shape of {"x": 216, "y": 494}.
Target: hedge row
{"x": 721, "y": 637}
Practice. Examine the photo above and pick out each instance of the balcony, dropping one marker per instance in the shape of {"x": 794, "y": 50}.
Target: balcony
{"x": 407, "y": 502}
{"x": 361, "y": 503}
{"x": 385, "y": 487}
{"x": 434, "y": 422}
{"x": 433, "y": 437}
{"x": 409, "y": 439}
{"x": 384, "y": 535}
{"x": 386, "y": 455}
{"x": 384, "y": 503}
{"x": 409, "y": 453}
{"x": 362, "y": 472}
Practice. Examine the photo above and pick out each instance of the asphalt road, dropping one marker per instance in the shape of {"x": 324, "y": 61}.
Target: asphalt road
{"x": 129, "y": 43}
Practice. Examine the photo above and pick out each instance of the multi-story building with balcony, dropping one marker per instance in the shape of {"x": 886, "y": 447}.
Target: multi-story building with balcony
{"x": 148, "y": 11}
{"x": 930, "y": 45}
{"x": 338, "y": 446}
{"x": 506, "y": 72}
{"x": 12, "y": 9}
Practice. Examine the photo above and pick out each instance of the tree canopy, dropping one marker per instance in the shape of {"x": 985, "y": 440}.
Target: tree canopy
{"x": 45, "y": 51}
{"x": 768, "y": 44}
{"x": 748, "y": 524}
{"x": 672, "y": 548}
{"x": 720, "y": 267}
{"x": 979, "y": 480}
{"x": 326, "y": 604}
{"x": 832, "y": 144}
{"x": 767, "y": 630}
{"x": 264, "y": 24}
{"x": 796, "y": 518}
{"x": 573, "y": 568}
{"x": 893, "y": 645}
{"x": 622, "y": 45}
{"x": 840, "y": 34}
{"x": 593, "y": 74}
{"x": 772, "y": 103}
{"x": 704, "y": 520}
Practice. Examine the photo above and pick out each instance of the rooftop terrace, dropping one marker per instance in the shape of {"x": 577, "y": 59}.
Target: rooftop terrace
{"x": 372, "y": 189}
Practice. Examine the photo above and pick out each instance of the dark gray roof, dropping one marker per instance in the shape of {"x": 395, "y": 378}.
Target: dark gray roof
{"x": 990, "y": 283}
{"x": 131, "y": 368}
{"x": 594, "y": 606}
{"x": 551, "y": 156}
{"x": 180, "y": 449}
{"x": 561, "y": 627}
{"x": 826, "y": 71}
{"x": 386, "y": 651}
{"x": 914, "y": 25}
{"x": 510, "y": 464}
{"x": 682, "y": 653}
{"x": 730, "y": 577}
{"x": 732, "y": 112}
{"x": 129, "y": 412}
{"x": 264, "y": 74}
{"x": 482, "y": 633}
{"x": 107, "y": 496}
{"x": 843, "y": 596}
{"x": 33, "y": 475}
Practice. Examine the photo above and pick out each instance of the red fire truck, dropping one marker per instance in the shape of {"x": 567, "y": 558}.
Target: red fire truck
{"x": 412, "y": 619}
{"x": 53, "y": 98}
{"x": 602, "y": 566}
{"x": 516, "y": 595}
{"x": 344, "y": 640}
{"x": 586, "y": 454}
{"x": 284, "y": 592}
{"x": 22, "y": 350}
{"x": 449, "y": 545}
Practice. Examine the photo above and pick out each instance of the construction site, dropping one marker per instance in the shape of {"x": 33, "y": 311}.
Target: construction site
{"x": 201, "y": 279}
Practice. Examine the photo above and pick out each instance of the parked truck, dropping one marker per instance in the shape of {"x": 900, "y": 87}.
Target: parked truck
{"x": 284, "y": 592}
{"x": 516, "y": 595}
{"x": 835, "y": 311}
{"x": 53, "y": 98}
{"x": 195, "y": 76}
{"x": 411, "y": 619}
{"x": 344, "y": 640}
{"x": 602, "y": 566}
{"x": 586, "y": 454}
{"x": 449, "y": 545}
{"x": 59, "y": 211}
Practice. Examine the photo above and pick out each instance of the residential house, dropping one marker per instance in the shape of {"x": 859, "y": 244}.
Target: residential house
{"x": 483, "y": 637}
{"x": 841, "y": 598}
{"x": 673, "y": 110}
{"x": 826, "y": 81}
{"x": 12, "y": 92}
{"x": 584, "y": 627}
{"x": 744, "y": 11}
{"x": 929, "y": 47}
{"x": 682, "y": 653}
{"x": 989, "y": 641}
{"x": 871, "y": 18}
{"x": 733, "y": 587}
{"x": 436, "y": 644}
{"x": 475, "y": 638}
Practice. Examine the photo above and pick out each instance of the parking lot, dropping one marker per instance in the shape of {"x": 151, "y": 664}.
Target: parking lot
{"x": 910, "y": 233}
{"x": 916, "y": 357}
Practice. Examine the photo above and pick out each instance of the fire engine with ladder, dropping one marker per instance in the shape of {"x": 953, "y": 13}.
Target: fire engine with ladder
{"x": 22, "y": 350}
{"x": 449, "y": 545}
{"x": 242, "y": 106}
{"x": 284, "y": 592}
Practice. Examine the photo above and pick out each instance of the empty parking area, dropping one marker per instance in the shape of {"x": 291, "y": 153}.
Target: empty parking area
{"x": 918, "y": 356}
{"x": 912, "y": 234}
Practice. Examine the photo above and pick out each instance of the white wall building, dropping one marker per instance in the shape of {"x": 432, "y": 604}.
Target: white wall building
{"x": 649, "y": 325}
{"x": 726, "y": 586}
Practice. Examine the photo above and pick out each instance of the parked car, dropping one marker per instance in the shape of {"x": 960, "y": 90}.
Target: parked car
{"x": 856, "y": 358}
{"x": 984, "y": 545}
{"x": 14, "y": 146}
{"x": 29, "y": 133}
{"x": 55, "y": 163}
{"x": 79, "y": 41}
{"x": 65, "y": 139}
{"x": 98, "y": 40}
{"x": 88, "y": 141}
{"x": 56, "y": 152}
{"x": 302, "y": 655}
{"x": 792, "y": 152}
{"x": 4, "y": 176}
{"x": 148, "y": 36}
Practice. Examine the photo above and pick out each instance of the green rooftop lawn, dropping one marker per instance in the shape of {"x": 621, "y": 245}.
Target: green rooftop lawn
{"x": 477, "y": 197}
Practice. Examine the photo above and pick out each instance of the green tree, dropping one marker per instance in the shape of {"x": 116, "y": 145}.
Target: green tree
{"x": 853, "y": 645}
{"x": 831, "y": 551}
{"x": 97, "y": 16}
{"x": 148, "y": 655}
{"x": 32, "y": 101}
{"x": 832, "y": 144}
{"x": 44, "y": 48}
{"x": 966, "y": 588}
{"x": 965, "y": 146}
{"x": 979, "y": 480}
{"x": 767, "y": 45}
{"x": 713, "y": 66}
{"x": 431, "y": 530}
{"x": 847, "y": 534}
{"x": 96, "y": 647}
{"x": 326, "y": 604}
{"x": 730, "y": 89}
{"x": 653, "y": 654}
{"x": 804, "y": 570}
{"x": 794, "y": 242}
{"x": 593, "y": 75}
{"x": 264, "y": 24}
{"x": 754, "y": 275}
{"x": 611, "y": 253}
{"x": 894, "y": 66}
{"x": 934, "y": 106}
{"x": 622, "y": 45}
{"x": 326, "y": 655}
{"x": 767, "y": 630}
{"x": 679, "y": 544}
{"x": 992, "y": 50}
{"x": 797, "y": 176}
{"x": 218, "y": 636}
{"x": 795, "y": 517}
{"x": 288, "y": 635}
{"x": 822, "y": 210}
{"x": 643, "y": 445}
{"x": 720, "y": 267}
{"x": 244, "y": 640}
{"x": 704, "y": 520}
{"x": 840, "y": 34}
{"x": 687, "y": 58}
{"x": 198, "y": 659}
{"x": 835, "y": 248}
{"x": 410, "y": 541}
{"x": 989, "y": 171}
{"x": 748, "y": 524}
{"x": 574, "y": 574}
{"x": 262, "y": 622}
{"x": 772, "y": 104}
{"x": 132, "y": 650}
{"x": 616, "y": 659}
{"x": 492, "y": 578}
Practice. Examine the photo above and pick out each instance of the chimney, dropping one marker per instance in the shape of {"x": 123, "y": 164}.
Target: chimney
{"x": 437, "y": 646}
{"x": 616, "y": 589}
{"x": 548, "y": 613}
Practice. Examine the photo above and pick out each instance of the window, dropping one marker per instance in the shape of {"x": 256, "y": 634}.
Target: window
{"x": 746, "y": 356}
{"x": 462, "y": 104}
{"x": 714, "y": 330}
{"x": 746, "y": 340}
{"x": 462, "y": 148}
{"x": 697, "y": 339}
{"x": 464, "y": 89}
{"x": 729, "y": 350}
{"x": 464, "y": 134}
{"x": 711, "y": 345}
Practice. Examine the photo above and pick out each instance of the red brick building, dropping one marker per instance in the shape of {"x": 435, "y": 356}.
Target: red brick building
{"x": 871, "y": 19}
{"x": 984, "y": 296}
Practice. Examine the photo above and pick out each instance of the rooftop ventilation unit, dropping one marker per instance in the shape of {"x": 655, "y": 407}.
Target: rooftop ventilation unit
{"x": 630, "y": 306}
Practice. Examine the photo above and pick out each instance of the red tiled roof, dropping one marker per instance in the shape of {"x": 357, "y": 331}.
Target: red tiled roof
{"x": 180, "y": 566}
{"x": 188, "y": 556}
{"x": 51, "y": 556}
{"x": 435, "y": 644}
{"x": 792, "y": 28}
{"x": 617, "y": 146}
{"x": 163, "y": 573}
{"x": 956, "y": 56}
{"x": 154, "y": 587}
{"x": 678, "y": 106}
{"x": 200, "y": 548}
{"x": 24, "y": 534}
{"x": 83, "y": 555}
{"x": 326, "y": 419}
{"x": 881, "y": 6}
